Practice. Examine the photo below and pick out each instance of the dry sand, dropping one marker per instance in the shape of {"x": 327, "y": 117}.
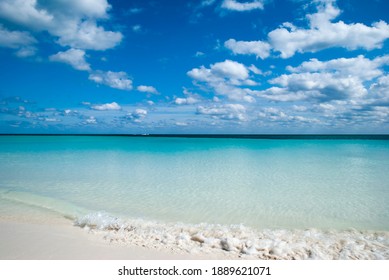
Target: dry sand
{"x": 31, "y": 233}
{"x": 28, "y": 241}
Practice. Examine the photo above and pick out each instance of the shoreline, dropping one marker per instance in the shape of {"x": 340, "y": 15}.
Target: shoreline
{"x": 30, "y": 231}
{"x": 54, "y": 237}
{"x": 39, "y": 241}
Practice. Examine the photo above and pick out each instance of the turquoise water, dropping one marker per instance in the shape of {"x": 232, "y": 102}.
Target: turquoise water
{"x": 260, "y": 183}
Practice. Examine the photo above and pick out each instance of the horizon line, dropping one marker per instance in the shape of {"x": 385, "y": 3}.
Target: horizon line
{"x": 220, "y": 135}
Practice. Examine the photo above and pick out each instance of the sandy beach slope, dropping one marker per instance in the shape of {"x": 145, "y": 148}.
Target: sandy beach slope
{"x": 27, "y": 241}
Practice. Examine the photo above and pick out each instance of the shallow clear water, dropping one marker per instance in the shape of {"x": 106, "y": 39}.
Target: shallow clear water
{"x": 261, "y": 183}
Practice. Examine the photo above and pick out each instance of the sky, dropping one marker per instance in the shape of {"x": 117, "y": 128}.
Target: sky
{"x": 205, "y": 66}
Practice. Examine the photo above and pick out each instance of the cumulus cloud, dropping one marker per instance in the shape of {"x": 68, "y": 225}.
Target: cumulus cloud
{"x": 26, "y": 51}
{"x": 258, "y": 48}
{"x": 322, "y": 33}
{"x": 181, "y": 124}
{"x": 234, "y": 5}
{"x": 118, "y": 80}
{"x": 186, "y": 101}
{"x": 90, "y": 120}
{"x": 189, "y": 99}
{"x": 299, "y": 108}
{"x": 87, "y": 35}
{"x": 322, "y": 85}
{"x": 277, "y": 115}
{"x": 229, "y": 78}
{"x": 74, "y": 57}
{"x": 233, "y": 70}
{"x": 359, "y": 66}
{"x": 235, "y": 112}
{"x": 15, "y": 39}
{"x": 337, "y": 79}
{"x": 380, "y": 91}
{"x": 148, "y": 89}
{"x": 137, "y": 116}
{"x": 107, "y": 107}
{"x": 284, "y": 95}
{"x": 73, "y": 22}
{"x": 25, "y": 12}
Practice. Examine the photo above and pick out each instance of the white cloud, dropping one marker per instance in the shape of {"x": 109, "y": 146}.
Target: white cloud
{"x": 137, "y": 116}
{"x": 22, "y": 41}
{"x": 52, "y": 120}
{"x": 259, "y": 48}
{"x": 235, "y": 112}
{"x": 228, "y": 78}
{"x": 299, "y": 108}
{"x": 140, "y": 112}
{"x": 327, "y": 106}
{"x": 87, "y": 35}
{"x": 74, "y": 22}
{"x": 322, "y": 85}
{"x": 107, "y": 107}
{"x": 91, "y": 8}
{"x": 189, "y": 99}
{"x": 234, "y": 5}
{"x": 91, "y": 120}
{"x": 118, "y": 80}
{"x": 321, "y": 34}
{"x": 234, "y": 72}
{"x": 284, "y": 95}
{"x": 231, "y": 69}
{"x": 255, "y": 70}
{"x": 15, "y": 39}
{"x": 337, "y": 79}
{"x": 148, "y": 89}
{"x": 359, "y": 66}
{"x": 26, "y": 51}
{"x": 186, "y": 101}
{"x": 74, "y": 57}
{"x": 25, "y": 12}
{"x": 181, "y": 124}
{"x": 277, "y": 115}
{"x": 380, "y": 91}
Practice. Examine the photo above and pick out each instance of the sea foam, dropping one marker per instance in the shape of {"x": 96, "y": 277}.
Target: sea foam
{"x": 239, "y": 241}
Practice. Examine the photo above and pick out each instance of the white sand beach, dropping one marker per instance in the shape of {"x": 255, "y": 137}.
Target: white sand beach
{"x": 62, "y": 241}
{"x": 57, "y": 238}
{"x": 30, "y": 233}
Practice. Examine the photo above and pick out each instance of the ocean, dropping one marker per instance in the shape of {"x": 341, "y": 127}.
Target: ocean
{"x": 205, "y": 193}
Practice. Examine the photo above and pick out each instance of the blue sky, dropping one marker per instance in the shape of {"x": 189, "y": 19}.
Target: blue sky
{"x": 206, "y": 66}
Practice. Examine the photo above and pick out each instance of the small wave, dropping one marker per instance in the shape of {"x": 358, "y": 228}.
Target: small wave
{"x": 240, "y": 241}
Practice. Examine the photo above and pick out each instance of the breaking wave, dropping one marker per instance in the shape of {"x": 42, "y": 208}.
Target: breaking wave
{"x": 238, "y": 241}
